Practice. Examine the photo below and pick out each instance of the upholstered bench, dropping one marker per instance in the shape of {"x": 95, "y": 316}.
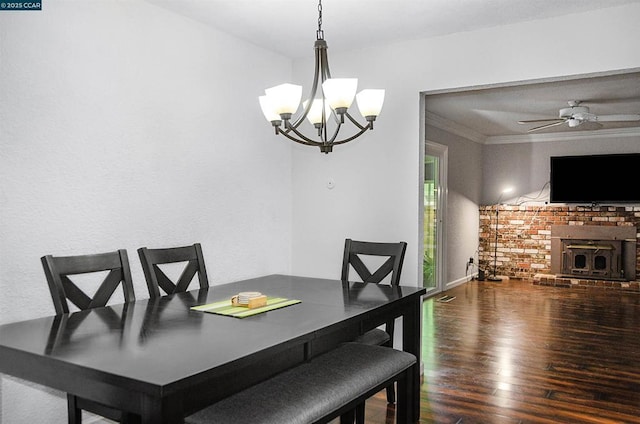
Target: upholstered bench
{"x": 316, "y": 391}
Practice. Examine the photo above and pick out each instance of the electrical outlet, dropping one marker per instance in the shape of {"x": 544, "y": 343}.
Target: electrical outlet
{"x": 470, "y": 260}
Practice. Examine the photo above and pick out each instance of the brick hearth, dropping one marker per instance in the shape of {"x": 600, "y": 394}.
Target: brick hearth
{"x": 553, "y": 281}
{"x": 524, "y": 239}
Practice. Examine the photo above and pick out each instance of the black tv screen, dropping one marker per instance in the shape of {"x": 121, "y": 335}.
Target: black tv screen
{"x": 597, "y": 179}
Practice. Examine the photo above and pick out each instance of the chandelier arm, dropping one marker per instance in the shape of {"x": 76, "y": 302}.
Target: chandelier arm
{"x": 324, "y": 62}
{"x": 300, "y": 119}
{"x": 314, "y": 86}
{"x": 302, "y": 140}
{"x": 323, "y": 129}
{"x": 356, "y": 135}
{"x": 312, "y": 95}
{"x": 353, "y": 137}
{"x": 356, "y": 123}
{"x": 323, "y": 69}
{"x": 336, "y": 119}
{"x": 306, "y": 143}
{"x": 335, "y": 133}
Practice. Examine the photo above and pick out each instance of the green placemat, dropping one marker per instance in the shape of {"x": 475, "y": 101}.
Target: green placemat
{"x": 224, "y": 307}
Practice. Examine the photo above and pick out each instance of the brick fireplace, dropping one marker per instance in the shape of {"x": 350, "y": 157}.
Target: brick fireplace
{"x": 525, "y": 244}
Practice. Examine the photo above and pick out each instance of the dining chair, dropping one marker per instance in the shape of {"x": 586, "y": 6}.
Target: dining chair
{"x": 57, "y": 270}
{"x": 354, "y": 253}
{"x": 157, "y": 279}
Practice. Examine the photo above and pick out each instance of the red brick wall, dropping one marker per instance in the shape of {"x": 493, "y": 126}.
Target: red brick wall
{"x": 524, "y": 234}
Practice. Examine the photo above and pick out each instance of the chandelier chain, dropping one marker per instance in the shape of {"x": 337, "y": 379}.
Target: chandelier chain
{"x": 320, "y": 32}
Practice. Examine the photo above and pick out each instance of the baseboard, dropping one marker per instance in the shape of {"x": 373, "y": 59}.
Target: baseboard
{"x": 460, "y": 281}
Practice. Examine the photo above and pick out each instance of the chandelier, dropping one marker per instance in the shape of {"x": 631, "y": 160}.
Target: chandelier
{"x": 323, "y": 109}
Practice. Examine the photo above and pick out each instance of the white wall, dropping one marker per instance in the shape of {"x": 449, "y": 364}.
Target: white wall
{"x": 377, "y": 177}
{"x": 526, "y": 166}
{"x": 124, "y": 125}
{"x": 464, "y": 187}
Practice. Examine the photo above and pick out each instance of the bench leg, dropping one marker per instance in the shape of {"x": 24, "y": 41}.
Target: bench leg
{"x": 360, "y": 413}
{"x": 404, "y": 393}
{"x": 347, "y": 417}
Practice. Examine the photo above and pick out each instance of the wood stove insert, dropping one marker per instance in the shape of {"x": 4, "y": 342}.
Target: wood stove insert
{"x": 592, "y": 258}
{"x": 593, "y": 251}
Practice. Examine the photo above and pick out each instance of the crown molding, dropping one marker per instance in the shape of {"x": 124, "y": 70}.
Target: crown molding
{"x": 473, "y": 135}
{"x": 564, "y": 136}
{"x": 454, "y": 128}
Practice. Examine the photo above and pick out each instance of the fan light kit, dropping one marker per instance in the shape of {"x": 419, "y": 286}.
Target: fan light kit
{"x": 576, "y": 115}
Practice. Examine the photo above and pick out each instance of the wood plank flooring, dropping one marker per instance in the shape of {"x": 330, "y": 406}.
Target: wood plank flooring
{"x": 512, "y": 352}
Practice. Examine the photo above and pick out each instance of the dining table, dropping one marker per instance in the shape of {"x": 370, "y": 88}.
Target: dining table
{"x": 162, "y": 360}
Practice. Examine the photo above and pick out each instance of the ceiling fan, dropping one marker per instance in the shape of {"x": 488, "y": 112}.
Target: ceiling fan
{"x": 576, "y": 115}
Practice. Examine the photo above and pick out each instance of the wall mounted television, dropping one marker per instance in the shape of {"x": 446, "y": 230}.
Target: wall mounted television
{"x": 595, "y": 179}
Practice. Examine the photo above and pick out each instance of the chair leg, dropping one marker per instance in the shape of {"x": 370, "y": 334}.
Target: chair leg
{"x": 391, "y": 394}
{"x": 73, "y": 412}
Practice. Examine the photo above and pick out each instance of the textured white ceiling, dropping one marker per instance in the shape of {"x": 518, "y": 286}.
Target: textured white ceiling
{"x": 495, "y": 112}
{"x": 289, "y": 26}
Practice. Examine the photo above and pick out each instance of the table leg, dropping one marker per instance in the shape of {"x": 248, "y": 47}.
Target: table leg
{"x": 73, "y": 412}
{"x": 411, "y": 344}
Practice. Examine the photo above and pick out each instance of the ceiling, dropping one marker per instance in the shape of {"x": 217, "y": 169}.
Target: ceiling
{"x": 485, "y": 115}
{"x": 491, "y": 115}
{"x": 289, "y": 26}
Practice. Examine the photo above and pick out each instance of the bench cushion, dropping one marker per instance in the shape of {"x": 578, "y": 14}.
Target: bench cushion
{"x": 312, "y": 390}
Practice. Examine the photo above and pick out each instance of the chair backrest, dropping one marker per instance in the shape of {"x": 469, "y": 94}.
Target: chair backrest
{"x": 156, "y": 278}
{"x": 393, "y": 265}
{"x": 58, "y": 269}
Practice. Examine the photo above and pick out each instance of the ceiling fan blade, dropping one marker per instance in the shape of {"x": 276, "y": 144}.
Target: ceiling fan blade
{"x": 546, "y": 126}
{"x": 590, "y": 126}
{"x": 618, "y": 118}
{"x": 531, "y": 121}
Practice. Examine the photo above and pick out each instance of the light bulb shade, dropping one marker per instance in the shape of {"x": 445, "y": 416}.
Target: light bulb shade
{"x": 315, "y": 113}
{"x": 340, "y": 92}
{"x": 285, "y": 98}
{"x": 267, "y": 109}
{"x": 370, "y": 102}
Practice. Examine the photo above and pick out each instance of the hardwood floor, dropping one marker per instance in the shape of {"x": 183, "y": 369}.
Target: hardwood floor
{"x": 513, "y": 352}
